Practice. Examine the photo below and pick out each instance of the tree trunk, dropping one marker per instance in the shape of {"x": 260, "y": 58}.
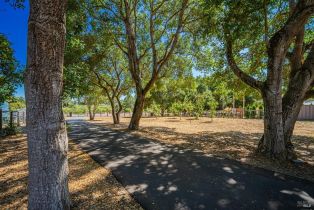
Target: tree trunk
{"x": 119, "y": 109}
{"x": 117, "y": 118}
{"x": 113, "y": 111}
{"x": 46, "y": 131}
{"x": 94, "y": 110}
{"x": 289, "y": 119}
{"x": 114, "y": 116}
{"x": 137, "y": 112}
{"x": 272, "y": 143}
{"x": 90, "y": 113}
{"x": 292, "y": 103}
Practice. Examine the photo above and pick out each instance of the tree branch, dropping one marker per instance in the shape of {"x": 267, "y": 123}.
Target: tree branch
{"x": 281, "y": 40}
{"x": 238, "y": 72}
{"x": 172, "y": 43}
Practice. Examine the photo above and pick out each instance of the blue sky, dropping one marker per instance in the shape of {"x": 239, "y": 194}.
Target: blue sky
{"x": 13, "y": 24}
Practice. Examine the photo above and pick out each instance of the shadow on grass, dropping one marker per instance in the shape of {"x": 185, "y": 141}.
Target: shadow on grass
{"x": 91, "y": 186}
{"x": 13, "y": 176}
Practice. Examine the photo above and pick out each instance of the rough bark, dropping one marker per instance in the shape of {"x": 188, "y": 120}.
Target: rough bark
{"x": 137, "y": 112}
{"x": 46, "y": 131}
{"x": 272, "y": 144}
{"x": 300, "y": 84}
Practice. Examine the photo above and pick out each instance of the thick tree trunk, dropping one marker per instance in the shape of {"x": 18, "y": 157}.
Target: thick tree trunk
{"x": 289, "y": 123}
{"x": 46, "y": 131}
{"x": 292, "y": 103}
{"x": 272, "y": 144}
{"x": 290, "y": 115}
{"x": 137, "y": 112}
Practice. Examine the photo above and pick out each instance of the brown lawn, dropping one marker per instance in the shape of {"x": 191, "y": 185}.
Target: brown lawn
{"x": 230, "y": 138}
{"x": 91, "y": 186}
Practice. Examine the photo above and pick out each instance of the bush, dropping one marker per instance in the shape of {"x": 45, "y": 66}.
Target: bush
{"x": 154, "y": 109}
{"x": 8, "y": 131}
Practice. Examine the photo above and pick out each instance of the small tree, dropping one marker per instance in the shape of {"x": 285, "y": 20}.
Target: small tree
{"x": 211, "y": 103}
{"x": 154, "y": 109}
{"x": 177, "y": 109}
{"x": 198, "y": 105}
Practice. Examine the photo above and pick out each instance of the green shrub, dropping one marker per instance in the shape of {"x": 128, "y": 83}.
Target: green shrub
{"x": 10, "y": 130}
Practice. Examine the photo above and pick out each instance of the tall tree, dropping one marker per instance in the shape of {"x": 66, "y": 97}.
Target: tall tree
{"x": 147, "y": 32}
{"x": 266, "y": 33}
{"x": 281, "y": 112}
{"x": 46, "y": 131}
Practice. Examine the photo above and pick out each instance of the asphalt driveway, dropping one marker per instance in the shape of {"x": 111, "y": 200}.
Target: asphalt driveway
{"x": 161, "y": 176}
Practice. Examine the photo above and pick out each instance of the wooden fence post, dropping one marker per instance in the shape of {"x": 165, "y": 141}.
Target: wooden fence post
{"x": 11, "y": 119}
{"x": 18, "y": 118}
{"x": 0, "y": 119}
{"x": 243, "y": 106}
{"x": 23, "y": 116}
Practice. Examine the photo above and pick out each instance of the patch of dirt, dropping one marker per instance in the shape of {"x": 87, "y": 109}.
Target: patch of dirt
{"x": 91, "y": 185}
{"x": 230, "y": 138}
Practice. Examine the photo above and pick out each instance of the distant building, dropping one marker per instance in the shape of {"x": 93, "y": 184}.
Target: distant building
{"x": 309, "y": 102}
{"x": 307, "y": 110}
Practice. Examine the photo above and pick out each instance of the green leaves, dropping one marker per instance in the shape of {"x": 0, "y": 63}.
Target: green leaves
{"x": 10, "y": 75}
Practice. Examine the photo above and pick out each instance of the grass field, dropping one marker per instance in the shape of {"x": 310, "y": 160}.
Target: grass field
{"x": 231, "y": 138}
{"x": 91, "y": 186}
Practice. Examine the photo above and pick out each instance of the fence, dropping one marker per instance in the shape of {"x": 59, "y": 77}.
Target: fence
{"x": 306, "y": 112}
{"x": 232, "y": 113}
{"x": 12, "y": 118}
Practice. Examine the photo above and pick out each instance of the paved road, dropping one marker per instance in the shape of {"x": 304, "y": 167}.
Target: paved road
{"x": 165, "y": 177}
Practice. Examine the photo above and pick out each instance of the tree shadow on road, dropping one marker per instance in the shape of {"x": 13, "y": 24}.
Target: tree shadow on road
{"x": 168, "y": 176}
{"x": 239, "y": 146}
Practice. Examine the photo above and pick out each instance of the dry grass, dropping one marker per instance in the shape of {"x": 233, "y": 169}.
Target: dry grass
{"x": 91, "y": 186}
{"x": 231, "y": 138}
